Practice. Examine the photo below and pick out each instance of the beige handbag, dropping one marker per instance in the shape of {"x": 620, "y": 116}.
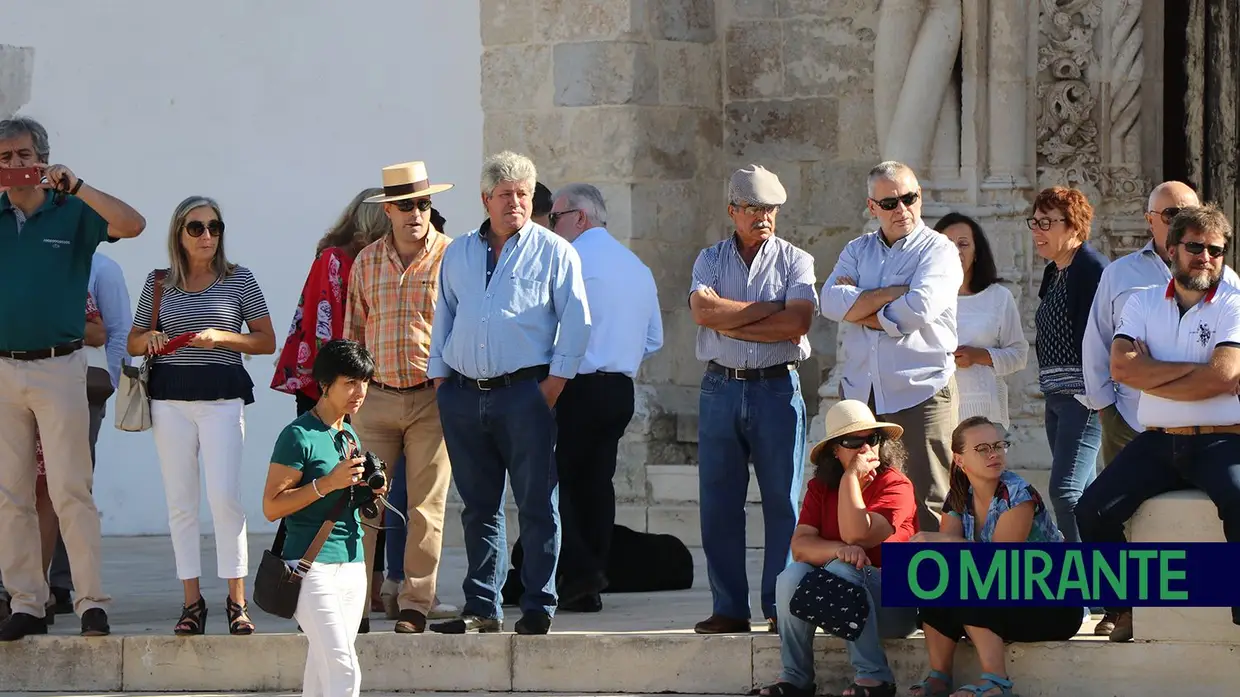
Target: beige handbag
{"x": 133, "y": 401}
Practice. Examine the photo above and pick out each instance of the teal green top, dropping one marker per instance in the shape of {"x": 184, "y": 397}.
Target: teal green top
{"x": 44, "y": 284}
{"x": 309, "y": 445}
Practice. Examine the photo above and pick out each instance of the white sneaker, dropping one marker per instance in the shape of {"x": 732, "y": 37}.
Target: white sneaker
{"x": 443, "y": 611}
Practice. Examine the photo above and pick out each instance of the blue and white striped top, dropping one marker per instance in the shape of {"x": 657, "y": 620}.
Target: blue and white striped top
{"x": 779, "y": 273}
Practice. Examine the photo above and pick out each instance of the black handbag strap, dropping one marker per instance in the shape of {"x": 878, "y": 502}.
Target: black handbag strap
{"x": 303, "y": 566}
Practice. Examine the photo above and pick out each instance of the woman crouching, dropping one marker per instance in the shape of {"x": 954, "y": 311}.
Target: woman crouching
{"x": 312, "y": 467}
{"x": 858, "y": 499}
{"x": 988, "y": 503}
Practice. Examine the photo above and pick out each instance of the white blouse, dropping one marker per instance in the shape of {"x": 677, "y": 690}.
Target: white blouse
{"x": 989, "y": 320}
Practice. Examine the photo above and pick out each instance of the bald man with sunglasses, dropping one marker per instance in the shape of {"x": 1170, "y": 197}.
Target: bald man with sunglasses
{"x": 893, "y": 293}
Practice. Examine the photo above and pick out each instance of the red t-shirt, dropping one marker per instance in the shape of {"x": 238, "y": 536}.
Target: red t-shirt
{"x": 889, "y": 495}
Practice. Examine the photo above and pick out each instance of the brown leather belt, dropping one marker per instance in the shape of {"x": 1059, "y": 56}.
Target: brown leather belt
{"x": 1196, "y": 430}
{"x": 400, "y": 390}
{"x": 775, "y": 371}
{"x": 40, "y": 354}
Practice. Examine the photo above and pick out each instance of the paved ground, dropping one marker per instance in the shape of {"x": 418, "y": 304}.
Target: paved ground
{"x": 139, "y": 573}
{"x": 295, "y": 694}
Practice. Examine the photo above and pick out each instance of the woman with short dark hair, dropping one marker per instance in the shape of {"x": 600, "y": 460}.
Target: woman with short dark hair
{"x": 314, "y": 465}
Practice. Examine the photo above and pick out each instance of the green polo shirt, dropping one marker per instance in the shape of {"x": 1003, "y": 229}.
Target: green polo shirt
{"x": 309, "y": 445}
{"x": 47, "y": 271}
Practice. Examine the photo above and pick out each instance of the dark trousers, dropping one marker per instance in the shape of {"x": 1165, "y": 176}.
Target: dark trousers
{"x": 1155, "y": 463}
{"x": 492, "y": 433}
{"x": 1014, "y": 624}
{"x": 59, "y": 575}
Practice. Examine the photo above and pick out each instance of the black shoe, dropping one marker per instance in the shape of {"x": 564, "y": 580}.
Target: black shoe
{"x": 364, "y": 627}
{"x": 21, "y": 625}
{"x": 410, "y": 622}
{"x": 534, "y": 623}
{"x": 572, "y": 590}
{"x": 466, "y": 624}
{"x": 588, "y": 603}
{"x": 63, "y": 598}
{"x": 95, "y": 622}
{"x": 5, "y": 610}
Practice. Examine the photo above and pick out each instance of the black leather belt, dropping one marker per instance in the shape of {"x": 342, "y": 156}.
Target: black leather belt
{"x": 534, "y": 372}
{"x": 399, "y": 390}
{"x": 40, "y": 354}
{"x": 775, "y": 371}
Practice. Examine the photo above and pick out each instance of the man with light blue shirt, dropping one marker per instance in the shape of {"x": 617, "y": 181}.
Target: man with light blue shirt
{"x": 511, "y": 328}
{"x": 1145, "y": 268}
{"x": 753, "y": 300}
{"x": 893, "y": 293}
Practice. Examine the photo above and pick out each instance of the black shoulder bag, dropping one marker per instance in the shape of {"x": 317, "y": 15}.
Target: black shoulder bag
{"x": 276, "y": 586}
{"x": 825, "y": 600}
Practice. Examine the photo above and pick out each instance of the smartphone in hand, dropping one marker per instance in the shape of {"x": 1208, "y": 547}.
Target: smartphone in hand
{"x": 20, "y": 176}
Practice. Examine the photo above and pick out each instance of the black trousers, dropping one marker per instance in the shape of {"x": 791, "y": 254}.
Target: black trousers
{"x": 1015, "y": 624}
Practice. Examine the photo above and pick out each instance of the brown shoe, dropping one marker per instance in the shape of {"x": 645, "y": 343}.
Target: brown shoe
{"x": 1106, "y": 625}
{"x": 1123, "y": 627}
{"x": 772, "y": 625}
{"x": 718, "y": 624}
{"x": 410, "y": 622}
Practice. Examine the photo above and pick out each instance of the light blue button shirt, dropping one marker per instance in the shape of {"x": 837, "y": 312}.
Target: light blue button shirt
{"x": 911, "y": 359}
{"x": 486, "y": 330}
{"x": 1121, "y": 278}
{"x": 107, "y": 286}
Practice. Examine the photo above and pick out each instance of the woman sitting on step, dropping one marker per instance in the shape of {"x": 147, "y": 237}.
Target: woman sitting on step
{"x": 988, "y": 503}
{"x": 858, "y": 499}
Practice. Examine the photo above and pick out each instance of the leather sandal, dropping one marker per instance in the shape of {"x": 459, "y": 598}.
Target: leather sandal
{"x": 239, "y": 623}
{"x": 886, "y": 689}
{"x": 928, "y": 691}
{"x": 193, "y": 619}
{"x": 785, "y": 689}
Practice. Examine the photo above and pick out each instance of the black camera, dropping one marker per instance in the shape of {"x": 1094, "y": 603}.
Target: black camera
{"x": 374, "y": 472}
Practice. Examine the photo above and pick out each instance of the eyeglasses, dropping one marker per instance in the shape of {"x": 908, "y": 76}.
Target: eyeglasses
{"x": 1196, "y": 248}
{"x": 1166, "y": 214}
{"x": 855, "y": 442}
{"x": 195, "y": 228}
{"x": 755, "y": 210}
{"x": 988, "y": 448}
{"x": 890, "y": 203}
{"x": 407, "y": 206}
{"x": 1043, "y": 223}
{"x": 554, "y": 218}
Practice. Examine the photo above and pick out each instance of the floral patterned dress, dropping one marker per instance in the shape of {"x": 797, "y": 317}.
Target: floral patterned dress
{"x": 1012, "y": 492}
{"x": 318, "y": 319}
{"x": 92, "y": 313}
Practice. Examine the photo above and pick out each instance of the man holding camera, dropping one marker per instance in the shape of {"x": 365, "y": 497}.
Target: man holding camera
{"x": 50, "y": 228}
{"x": 390, "y": 309}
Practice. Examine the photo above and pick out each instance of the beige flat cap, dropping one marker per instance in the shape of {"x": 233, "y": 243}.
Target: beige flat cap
{"x": 757, "y": 186}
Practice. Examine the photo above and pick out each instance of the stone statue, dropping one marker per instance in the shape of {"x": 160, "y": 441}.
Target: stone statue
{"x": 914, "y": 60}
{"x": 16, "y": 72}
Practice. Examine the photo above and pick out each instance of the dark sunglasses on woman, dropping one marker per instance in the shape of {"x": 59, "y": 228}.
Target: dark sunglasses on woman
{"x": 195, "y": 228}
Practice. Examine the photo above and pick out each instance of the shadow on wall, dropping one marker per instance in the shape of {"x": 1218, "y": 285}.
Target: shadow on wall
{"x": 16, "y": 74}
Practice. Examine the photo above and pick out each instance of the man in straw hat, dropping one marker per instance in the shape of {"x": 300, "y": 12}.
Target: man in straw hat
{"x": 858, "y": 499}
{"x": 753, "y": 300}
{"x": 511, "y": 328}
{"x": 390, "y": 309}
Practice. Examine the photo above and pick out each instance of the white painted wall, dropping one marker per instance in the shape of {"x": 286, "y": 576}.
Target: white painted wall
{"x": 282, "y": 110}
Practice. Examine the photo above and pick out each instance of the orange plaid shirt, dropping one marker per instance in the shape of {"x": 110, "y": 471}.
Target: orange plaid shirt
{"x": 391, "y": 308}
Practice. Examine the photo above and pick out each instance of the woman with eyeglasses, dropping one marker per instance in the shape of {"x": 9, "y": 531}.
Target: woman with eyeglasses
{"x": 1060, "y": 225}
{"x": 991, "y": 341}
{"x": 858, "y": 499}
{"x": 315, "y": 475}
{"x": 988, "y": 503}
{"x": 199, "y": 388}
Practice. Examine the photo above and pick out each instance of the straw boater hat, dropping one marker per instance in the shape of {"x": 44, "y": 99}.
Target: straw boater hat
{"x": 406, "y": 180}
{"x": 851, "y": 416}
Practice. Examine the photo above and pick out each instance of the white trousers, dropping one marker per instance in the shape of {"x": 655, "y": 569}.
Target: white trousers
{"x": 216, "y": 429}
{"x": 329, "y": 610}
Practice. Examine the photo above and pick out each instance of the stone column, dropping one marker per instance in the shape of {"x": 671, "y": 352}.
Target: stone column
{"x": 1007, "y": 142}
{"x": 625, "y": 95}
{"x": 16, "y": 75}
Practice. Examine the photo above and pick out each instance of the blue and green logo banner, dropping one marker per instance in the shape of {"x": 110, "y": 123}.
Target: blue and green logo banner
{"x": 1045, "y": 574}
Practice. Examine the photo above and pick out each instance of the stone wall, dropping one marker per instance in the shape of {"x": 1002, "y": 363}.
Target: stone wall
{"x": 16, "y": 74}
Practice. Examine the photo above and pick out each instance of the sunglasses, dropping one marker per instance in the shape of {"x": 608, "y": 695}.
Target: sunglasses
{"x": 407, "y": 206}
{"x": 1196, "y": 248}
{"x": 554, "y": 218}
{"x": 1167, "y": 214}
{"x": 988, "y": 448}
{"x": 855, "y": 442}
{"x": 890, "y": 203}
{"x": 195, "y": 228}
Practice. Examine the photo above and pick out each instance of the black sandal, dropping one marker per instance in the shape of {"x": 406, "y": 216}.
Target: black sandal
{"x": 239, "y": 623}
{"x": 785, "y": 689}
{"x": 193, "y": 619}
{"x": 887, "y": 689}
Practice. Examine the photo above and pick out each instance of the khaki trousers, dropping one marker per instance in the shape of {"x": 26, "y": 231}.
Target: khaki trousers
{"x": 928, "y": 438}
{"x": 390, "y": 424}
{"x": 52, "y": 394}
{"x": 1116, "y": 433}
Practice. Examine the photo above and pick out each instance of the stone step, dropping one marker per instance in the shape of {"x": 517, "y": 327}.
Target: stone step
{"x": 617, "y": 663}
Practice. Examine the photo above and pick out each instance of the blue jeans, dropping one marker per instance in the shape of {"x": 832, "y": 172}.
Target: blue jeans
{"x": 739, "y": 421}
{"x": 395, "y": 537}
{"x": 490, "y": 433}
{"x": 1075, "y": 436}
{"x": 796, "y": 637}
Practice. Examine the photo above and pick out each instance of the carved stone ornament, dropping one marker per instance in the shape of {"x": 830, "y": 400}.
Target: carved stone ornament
{"x": 1067, "y": 133}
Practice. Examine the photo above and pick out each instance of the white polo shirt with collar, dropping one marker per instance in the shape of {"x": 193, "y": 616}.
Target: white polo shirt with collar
{"x": 1153, "y": 316}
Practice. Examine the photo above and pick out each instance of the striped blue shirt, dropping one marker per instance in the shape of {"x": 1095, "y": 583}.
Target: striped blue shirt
{"x": 530, "y": 310}
{"x": 779, "y": 273}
